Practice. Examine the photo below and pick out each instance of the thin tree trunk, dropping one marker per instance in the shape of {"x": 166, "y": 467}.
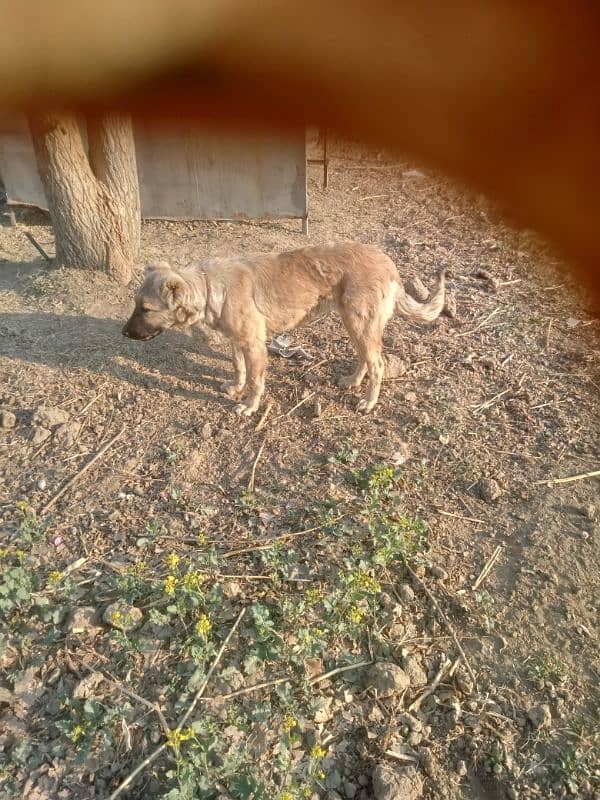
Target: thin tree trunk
{"x": 94, "y": 200}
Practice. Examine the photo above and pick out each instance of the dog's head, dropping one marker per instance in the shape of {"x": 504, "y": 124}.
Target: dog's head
{"x": 164, "y": 300}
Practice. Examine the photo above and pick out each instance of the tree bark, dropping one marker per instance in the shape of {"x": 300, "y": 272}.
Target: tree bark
{"x": 93, "y": 199}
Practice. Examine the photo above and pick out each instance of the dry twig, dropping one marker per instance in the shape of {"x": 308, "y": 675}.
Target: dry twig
{"x": 256, "y": 460}
{"x": 155, "y": 754}
{"x": 263, "y": 419}
{"x": 444, "y": 619}
{"x": 582, "y": 476}
{"x": 487, "y": 568}
{"x": 103, "y": 450}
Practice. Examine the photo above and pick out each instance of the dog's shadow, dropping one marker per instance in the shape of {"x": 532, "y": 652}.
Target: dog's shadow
{"x": 173, "y": 362}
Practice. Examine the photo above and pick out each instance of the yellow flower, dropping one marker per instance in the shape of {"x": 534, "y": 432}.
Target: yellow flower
{"x": 169, "y": 584}
{"x": 314, "y": 595}
{"x": 4, "y": 551}
{"x": 116, "y": 618}
{"x": 289, "y": 724}
{"x": 54, "y": 577}
{"x": 320, "y": 774}
{"x": 172, "y": 560}
{"x": 286, "y": 796}
{"x": 193, "y": 581}
{"x": 76, "y": 733}
{"x": 203, "y": 626}
{"x": 307, "y": 791}
{"x": 318, "y": 752}
{"x": 176, "y": 737}
{"x": 201, "y": 538}
{"x": 356, "y": 615}
{"x": 365, "y": 581}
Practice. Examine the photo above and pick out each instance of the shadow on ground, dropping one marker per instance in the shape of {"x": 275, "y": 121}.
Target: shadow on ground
{"x": 169, "y": 363}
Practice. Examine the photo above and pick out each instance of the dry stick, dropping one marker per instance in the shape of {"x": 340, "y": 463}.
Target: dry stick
{"x": 155, "y": 754}
{"x": 481, "y": 324}
{"x": 416, "y": 704}
{"x": 263, "y": 419}
{"x": 270, "y": 544}
{"x": 81, "y": 472}
{"x": 582, "y": 476}
{"x": 459, "y": 516}
{"x": 293, "y": 408}
{"x": 444, "y": 619}
{"x": 278, "y": 681}
{"x": 487, "y": 568}
{"x": 314, "y": 366}
{"x": 37, "y": 245}
{"x": 144, "y": 702}
{"x": 256, "y": 460}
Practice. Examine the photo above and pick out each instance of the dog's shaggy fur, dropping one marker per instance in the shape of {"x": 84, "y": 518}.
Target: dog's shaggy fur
{"x": 249, "y": 297}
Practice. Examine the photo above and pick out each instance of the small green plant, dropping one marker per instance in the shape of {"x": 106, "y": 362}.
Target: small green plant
{"x": 545, "y": 667}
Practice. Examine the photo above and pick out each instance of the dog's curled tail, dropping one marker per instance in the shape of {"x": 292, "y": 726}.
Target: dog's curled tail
{"x": 414, "y": 311}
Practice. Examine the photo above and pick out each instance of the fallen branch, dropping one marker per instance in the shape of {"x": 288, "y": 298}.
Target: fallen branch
{"x": 582, "y": 476}
{"x": 487, "y": 567}
{"x": 416, "y": 703}
{"x": 263, "y": 419}
{"x": 256, "y": 460}
{"x": 444, "y": 619}
{"x": 37, "y": 246}
{"x": 481, "y": 324}
{"x": 155, "y": 754}
{"x": 459, "y": 516}
{"x": 268, "y": 545}
{"x": 278, "y": 681}
{"x": 103, "y": 450}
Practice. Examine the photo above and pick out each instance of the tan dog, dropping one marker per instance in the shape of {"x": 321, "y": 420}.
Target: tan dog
{"x": 248, "y": 297}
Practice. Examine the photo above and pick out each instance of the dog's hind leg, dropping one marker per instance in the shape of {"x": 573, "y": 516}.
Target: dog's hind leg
{"x": 235, "y": 387}
{"x": 366, "y": 330}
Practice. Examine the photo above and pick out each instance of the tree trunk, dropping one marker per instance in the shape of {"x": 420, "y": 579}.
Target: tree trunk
{"x": 94, "y": 199}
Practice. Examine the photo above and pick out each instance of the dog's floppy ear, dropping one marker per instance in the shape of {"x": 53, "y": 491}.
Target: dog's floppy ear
{"x": 174, "y": 291}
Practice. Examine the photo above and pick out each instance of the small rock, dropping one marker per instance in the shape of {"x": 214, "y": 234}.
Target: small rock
{"x": 387, "y": 678}
{"x": 591, "y": 511}
{"x": 489, "y": 490}
{"x": 438, "y": 572}
{"x": 394, "y": 367}
{"x": 123, "y": 616}
{"x": 324, "y": 713}
{"x": 415, "y": 670}
{"x": 67, "y": 433}
{"x": 540, "y": 716}
{"x": 407, "y": 593}
{"x": 7, "y": 420}
{"x": 414, "y": 738}
{"x": 40, "y": 435}
{"x": 317, "y": 408}
{"x": 410, "y": 397}
{"x": 87, "y": 686}
{"x": 401, "y": 455}
{"x": 350, "y": 789}
{"x": 396, "y": 784}
{"x": 461, "y": 769}
{"x": 49, "y": 417}
{"x": 41, "y": 484}
{"x": 417, "y": 289}
{"x": 206, "y": 431}
{"x": 333, "y": 779}
{"x": 232, "y": 589}
{"x": 83, "y": 620}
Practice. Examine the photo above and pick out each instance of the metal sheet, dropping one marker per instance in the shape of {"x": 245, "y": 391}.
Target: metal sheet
{"x": 187, "y": 176}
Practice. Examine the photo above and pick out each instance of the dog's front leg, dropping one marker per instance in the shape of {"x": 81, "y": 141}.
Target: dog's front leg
{"x": 235, "y": 387}
{"x": 255, "y": 356}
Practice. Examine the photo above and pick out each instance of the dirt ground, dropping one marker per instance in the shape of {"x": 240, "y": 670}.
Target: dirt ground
{"x": 339, "y": 537}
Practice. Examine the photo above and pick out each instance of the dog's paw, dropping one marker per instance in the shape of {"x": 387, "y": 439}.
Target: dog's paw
{"x": 231, "y": 389}
{"x": 242, "y": 410}
{"x": 364, "y": 406}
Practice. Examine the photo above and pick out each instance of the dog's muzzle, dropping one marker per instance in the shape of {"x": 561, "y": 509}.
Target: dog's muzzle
{"x": 139, "y": 337}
